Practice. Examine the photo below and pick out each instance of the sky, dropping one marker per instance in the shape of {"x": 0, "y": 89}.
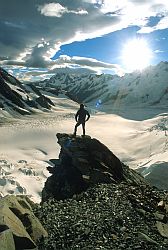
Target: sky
{"x": 40, "y": 38}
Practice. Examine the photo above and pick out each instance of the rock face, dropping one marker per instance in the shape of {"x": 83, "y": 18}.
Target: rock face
{"x": 117, "y": 210}
{"x": 6, "y": 240}
{"x": 17, "y": 98}
{"x": 19, "y": 227}
{"x": 84, "y": 162}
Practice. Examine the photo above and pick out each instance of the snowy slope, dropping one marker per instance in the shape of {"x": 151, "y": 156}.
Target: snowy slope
{"x": 18, "y": 99}
{"x": 146, "y": 88}
{"x": 27, "y": 145}
{"x": 137, "y": 135}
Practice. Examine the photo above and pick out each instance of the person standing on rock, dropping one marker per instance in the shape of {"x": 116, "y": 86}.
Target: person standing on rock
{"x": 81, "y": 117}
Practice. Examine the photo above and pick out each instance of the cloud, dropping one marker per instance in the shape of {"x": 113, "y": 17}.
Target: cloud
{"x": 159, "y": 51}
{"x": 70, "y": 65}
{"x": 12, "y": 63}
{"x": 71, "y": 70}
{"x": 3, "y": 58}
{"x": 25, "y": 25}
{"x": 52, "y": 9}
{"x": 161, "y": 25}
{"x": 57, "y": 10}
{"x": 36, "y": 58}
{"x": 36, "y": 74}
{"x": 85, "y": 62}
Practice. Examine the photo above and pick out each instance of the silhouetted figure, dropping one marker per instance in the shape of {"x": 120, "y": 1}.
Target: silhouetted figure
{"x": 81, "y": 117}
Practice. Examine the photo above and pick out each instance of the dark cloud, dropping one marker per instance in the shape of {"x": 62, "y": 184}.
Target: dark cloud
{"x": 3, "y": 58}
{"x": 36, "y": 59}
{"x": 23, "y": 26}
{"x": 26, "y": 24}
{"x": 139, "y": 1}
{"x": 12, "y": 62}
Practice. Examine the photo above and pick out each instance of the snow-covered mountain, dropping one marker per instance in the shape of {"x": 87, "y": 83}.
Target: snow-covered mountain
{"x": 148, "y": 87}
{"x": 28, "y": 143}
{"x": 16, "y": 98}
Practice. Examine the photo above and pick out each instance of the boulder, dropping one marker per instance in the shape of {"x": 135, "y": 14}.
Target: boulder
{"x": 6, "y": 240}
{"x": 9, "y": 220}
{"x": 84, "y": 162}
{"x": 17, "y": 215}
{"x": 162, "y": 228}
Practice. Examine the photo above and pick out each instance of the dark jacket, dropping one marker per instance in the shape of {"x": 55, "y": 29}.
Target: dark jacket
{"x": 81, "y": 115}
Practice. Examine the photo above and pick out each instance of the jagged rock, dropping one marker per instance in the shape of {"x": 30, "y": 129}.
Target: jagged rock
{"x": 6, "y": 240}
{"x": 64, "y": 182}
{"x": 44, "y": 102}
{"x": 17, "y": 97}
{"x": 147, "y": 238}
{"x": 161, "y": 204}
{"x": 159, "y": 216}
{"x": 16, "y": 214}
{"x": 10, "y": 94}
{"x": 1, "y": 194}
{"x": 84, "y": 162}
{"x": 162, "y": 228}
{"x": 9, "y": 220}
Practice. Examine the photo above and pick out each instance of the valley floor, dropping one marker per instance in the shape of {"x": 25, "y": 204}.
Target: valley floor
{"x": 28, "y": 143}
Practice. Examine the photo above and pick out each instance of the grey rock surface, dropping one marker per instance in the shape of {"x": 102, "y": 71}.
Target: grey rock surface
{"x": 84, "y": 162}
{"x": 16, "y": 215}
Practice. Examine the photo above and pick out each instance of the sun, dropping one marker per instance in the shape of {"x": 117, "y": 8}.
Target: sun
{"x": 136, "y": 54}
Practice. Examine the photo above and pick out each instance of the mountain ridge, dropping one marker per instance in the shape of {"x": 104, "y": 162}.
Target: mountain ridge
{"x": 17, "y": 98}
{"x": 140, "y": 88}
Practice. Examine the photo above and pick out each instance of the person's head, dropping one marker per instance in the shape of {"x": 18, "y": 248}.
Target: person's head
{"x": 81, "y": 106}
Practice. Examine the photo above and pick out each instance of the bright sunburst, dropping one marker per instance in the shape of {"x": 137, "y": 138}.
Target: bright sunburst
{"x": 136, "y": 54}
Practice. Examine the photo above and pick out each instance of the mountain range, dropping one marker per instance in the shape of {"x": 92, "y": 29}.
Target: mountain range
{"x": 17, "y": 98}
{"x": 140, "y": 88}
{"x": 145, "y": 88}
{"x": 133, "y": 123}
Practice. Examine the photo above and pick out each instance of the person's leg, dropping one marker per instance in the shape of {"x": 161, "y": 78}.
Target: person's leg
{"x": 75, "y": 130}
{"x": 83, "y": 126}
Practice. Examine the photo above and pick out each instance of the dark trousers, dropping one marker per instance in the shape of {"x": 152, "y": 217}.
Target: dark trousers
{"x": 78, "y": 124}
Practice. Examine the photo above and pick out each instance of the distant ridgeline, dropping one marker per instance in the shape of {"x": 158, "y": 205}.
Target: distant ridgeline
{"x": 137, "y": 89}
{"x": 142, "y": 88}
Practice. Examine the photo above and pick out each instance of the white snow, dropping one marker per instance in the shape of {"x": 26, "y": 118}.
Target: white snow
{"x": 137, "y": 89}
{"x": 27, "y": 144}
{"x": 131, "y": 119}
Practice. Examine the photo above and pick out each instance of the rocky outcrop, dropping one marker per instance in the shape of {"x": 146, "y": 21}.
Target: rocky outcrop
{"x": 84, "y": 162}
{"x": 10, "y": 94}
{"x": 94, "y": 201}
{"x": 44, "y": 102}
{"x": 19, "y": 227}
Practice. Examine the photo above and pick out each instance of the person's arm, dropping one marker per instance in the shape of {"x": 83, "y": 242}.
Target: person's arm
{"x": 76, "y": 116}
{"x": 88, "y": 116}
